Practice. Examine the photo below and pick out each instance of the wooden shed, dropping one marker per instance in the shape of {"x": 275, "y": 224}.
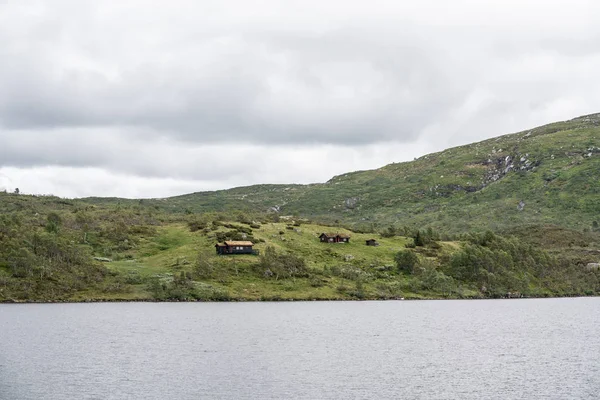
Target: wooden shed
{"x": 235, "y": 247}
{"x": 334, "y": 238}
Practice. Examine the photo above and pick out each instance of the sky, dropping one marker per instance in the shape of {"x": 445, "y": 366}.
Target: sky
{"x": 152, "y": 99}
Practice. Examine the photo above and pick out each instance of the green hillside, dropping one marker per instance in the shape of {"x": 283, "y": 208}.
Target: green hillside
{"x": 510, "y": 216}
{"x": 54, "y": 249}
{"x": 545, "y": 175}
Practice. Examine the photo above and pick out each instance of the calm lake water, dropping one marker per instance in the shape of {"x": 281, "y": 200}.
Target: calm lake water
{"x": 486, "y": 349}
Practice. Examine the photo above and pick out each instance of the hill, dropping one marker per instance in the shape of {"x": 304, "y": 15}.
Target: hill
{"x": 54, "y": 249}
{"x": 545, "y": 175}
{"x": 510, "y": 216}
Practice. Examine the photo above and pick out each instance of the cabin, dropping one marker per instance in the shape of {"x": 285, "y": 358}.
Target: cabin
{"x": 235, "y": 247}
{"x": 372, "y": 242}
{"x": 334, "y": 238}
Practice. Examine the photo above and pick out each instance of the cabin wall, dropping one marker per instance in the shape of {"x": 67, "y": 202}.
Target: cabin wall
{"x": 238, "y": 250}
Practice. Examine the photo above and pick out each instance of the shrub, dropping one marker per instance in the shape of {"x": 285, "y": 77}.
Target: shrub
{"x": 389, "y": 232}
{"x": 418, "y": 239}
{"x": 197, "y": 225}
{"x": 406, "y": 261}
{"x": 316, "y": 282}
{"x": 204, "y": 265}
{"x": 281, "y": 265}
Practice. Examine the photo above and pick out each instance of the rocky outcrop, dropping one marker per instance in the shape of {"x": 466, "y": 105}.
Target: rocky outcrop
{"x": 592, "y": 266}
{"x": 499, "y": 167}
{"x": 351, "y": 202}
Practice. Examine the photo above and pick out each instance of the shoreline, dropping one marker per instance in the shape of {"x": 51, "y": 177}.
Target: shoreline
{"x": 279, "y": 300}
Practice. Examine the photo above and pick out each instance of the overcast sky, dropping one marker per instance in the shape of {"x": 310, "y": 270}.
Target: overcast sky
{"x": 150, "y": 99}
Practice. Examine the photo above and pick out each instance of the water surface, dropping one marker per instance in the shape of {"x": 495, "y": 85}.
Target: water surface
{"x": 488, "y": 349}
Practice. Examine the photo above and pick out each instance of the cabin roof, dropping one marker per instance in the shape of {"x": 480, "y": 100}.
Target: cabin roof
{"x": 342, "y": 235}
{"x": 238, "y": 243}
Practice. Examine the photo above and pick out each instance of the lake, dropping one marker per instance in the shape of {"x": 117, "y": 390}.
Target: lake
{"x": 477, "y": 349}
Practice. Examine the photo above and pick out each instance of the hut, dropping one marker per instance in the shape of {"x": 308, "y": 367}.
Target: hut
{"x": 235, "y": 247}
{"x": 372, "y": 242}
{"x": 334, "y": 238}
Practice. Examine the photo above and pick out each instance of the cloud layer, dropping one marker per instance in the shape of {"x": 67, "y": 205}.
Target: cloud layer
{"x": 188, "y": 95}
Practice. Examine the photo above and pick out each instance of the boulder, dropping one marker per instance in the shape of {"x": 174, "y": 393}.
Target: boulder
{"x": 351, "y": 202}
{"x": 592, "y": 266}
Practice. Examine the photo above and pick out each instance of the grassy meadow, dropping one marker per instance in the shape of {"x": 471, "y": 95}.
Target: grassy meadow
{"x": 54, "y": 249}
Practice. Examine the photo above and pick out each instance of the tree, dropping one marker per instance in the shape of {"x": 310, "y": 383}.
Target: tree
{"x": 389, "y": 232}
{"x": 419, "y": 241}
{"x": 17, "y": 191}
{"x": 406, "y": 261}
{"x": 53, "y": 222}
{"x": 204, "y": 265}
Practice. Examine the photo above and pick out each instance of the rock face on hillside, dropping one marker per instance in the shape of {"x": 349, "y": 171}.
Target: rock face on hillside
{"x": 351, "y": 202}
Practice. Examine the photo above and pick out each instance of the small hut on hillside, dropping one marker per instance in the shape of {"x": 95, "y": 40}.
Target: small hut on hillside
{"x": 235, "y": 247}
{"x": 334, "y": 238}
{"x": 372, "y": 242}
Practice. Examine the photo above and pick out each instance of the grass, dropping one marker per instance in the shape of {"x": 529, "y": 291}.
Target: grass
{"x": 145, "y": 256}
{"x": 174, "y": 249}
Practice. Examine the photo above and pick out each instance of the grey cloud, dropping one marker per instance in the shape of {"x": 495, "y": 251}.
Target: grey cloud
{"x": 199, "y": 91}
{"x": 261, "y": 86}
{"x": 112, "y": 151}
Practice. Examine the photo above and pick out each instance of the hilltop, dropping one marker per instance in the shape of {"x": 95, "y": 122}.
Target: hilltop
{"x": 544, "y": 175}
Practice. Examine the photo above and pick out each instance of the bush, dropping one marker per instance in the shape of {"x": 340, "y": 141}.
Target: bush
{"x": 204, "y": 267}
{"x": 281, "y": 265}
{"x": 359, "y": 291}
{"x": 419, "y": 240}
{"x": 316, "y": 282}
{"x": 406, "y": 261}
{"x": 389, "y": 232}
{"x": 350, "y": 272}
{"x": 197, "y": 225}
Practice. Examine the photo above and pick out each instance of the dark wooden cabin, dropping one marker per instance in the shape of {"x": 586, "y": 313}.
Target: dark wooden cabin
{"x": 334, "y": 238}
{"x": 235, "y": 247}
{"x": 372, "y": 242}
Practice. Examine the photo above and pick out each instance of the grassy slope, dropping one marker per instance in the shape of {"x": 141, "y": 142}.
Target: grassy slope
{"x": 148, "y": 245}
{"x": 175, "y": 249}
{"x": 553, "y": 171}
